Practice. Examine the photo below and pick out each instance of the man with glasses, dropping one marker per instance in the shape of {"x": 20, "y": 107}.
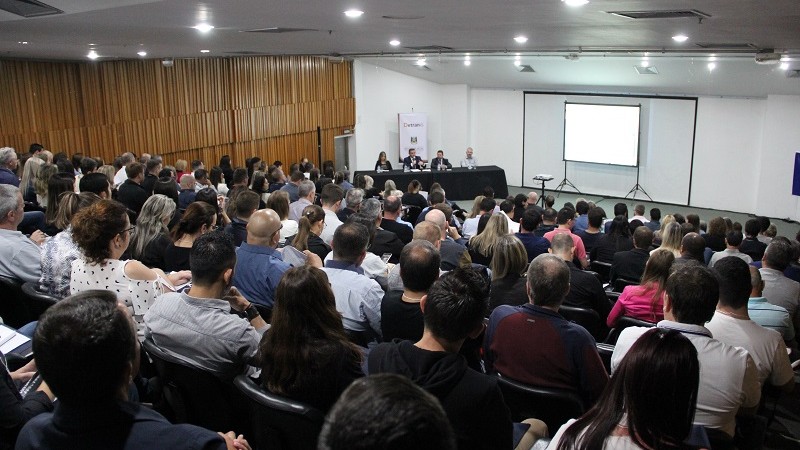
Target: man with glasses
{"x": 259, "y": 266}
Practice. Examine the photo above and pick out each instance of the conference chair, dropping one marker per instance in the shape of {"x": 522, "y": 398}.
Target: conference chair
{"x": 411, "y": 212}
{"x": 603, "y": 268}
{"x": 194, "y": 396}
{"x": 13, "y": 307}
{"x": 612, "y": 297}
{"x": 37, "y": 301}
{"x": 625, "y": 322}
{"x": 550, "y": 405}
{"x": 621, "y": 283}
{"x": 279, "y": 423}
{"x": 605, "y": 351}
{"x": 587, "y": 318}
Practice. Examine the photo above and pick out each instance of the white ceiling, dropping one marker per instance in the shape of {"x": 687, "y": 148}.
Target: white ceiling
{"x": 120, "y": 28}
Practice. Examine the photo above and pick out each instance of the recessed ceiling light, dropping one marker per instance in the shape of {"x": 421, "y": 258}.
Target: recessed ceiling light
{"x": 712, "y": 58}
{"x": 394, "y": 42}
{"x": 575, "y": 2}
{"x": 353, "y": 13}
{"x": 712, "y": 66}
{"x": 142, "y": 53}
{"x": 680, "y": 38}
{"x": 420, "y": 62}
{"x": 92, "y": 55}
{"x": 784, "y": 66}
{"x": 203, "y": 27}
{"x": 645, "y": 63}
{"x": 517, "y": 62}
{"x": 521, "y": 39}
{"x": 22, "y": 42}
{"x": 467, "y": 62}
{"x": 204, "y": 51}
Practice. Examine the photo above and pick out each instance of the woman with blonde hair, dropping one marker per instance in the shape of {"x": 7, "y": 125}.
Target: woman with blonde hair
{"x": 29, "y": 173}
{"x": 671, "y": 239}
{"x": 109, "y": 172}
{"x": 180, "y": 169}
{"x": 42, "y": 182}
{"x": 279, "y": 202}
{"x": 666, "y": 220}
{"x": 150, "y": 239}
{"x": 482, "y": 245}
{"x": 508, "y": 266}
{"x": 388, "y": 188}
{"x": 310, "y": 226}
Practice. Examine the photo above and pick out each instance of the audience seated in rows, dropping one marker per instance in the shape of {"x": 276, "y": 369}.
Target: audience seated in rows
{"x": 732, "y": 242}
{"x": 565, "y": 220}
{"x": 617, "y": 238}
{"x": 585, "y": 289}
{"x": 514, "y": 335}
{"x": 728, "y": 375}
{"x": 391, "y": 219}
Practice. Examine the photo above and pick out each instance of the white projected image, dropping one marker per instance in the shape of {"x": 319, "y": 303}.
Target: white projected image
{"x": 603, "y": 134}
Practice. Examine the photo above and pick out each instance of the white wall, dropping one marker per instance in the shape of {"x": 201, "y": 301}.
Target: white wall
{"x": 743, "y": 156}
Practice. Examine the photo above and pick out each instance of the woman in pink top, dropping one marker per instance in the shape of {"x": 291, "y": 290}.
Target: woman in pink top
{"x": 645, "y": 301}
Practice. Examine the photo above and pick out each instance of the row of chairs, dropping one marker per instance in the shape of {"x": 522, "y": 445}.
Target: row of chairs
{"x": 22, "y": 302}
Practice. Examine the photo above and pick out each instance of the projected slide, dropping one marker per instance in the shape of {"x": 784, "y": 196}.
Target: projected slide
{"x": 603, "y": 134}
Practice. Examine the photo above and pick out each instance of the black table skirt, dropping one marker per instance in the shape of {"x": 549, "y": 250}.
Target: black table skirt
{"x": 458, "y": 184}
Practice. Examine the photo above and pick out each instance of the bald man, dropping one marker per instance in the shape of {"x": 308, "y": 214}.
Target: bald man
{"x": 259, "y": 266}
{"x": 453, "y": 254}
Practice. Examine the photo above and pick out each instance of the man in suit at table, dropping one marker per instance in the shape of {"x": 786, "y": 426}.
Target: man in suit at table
{"x": 441, "y": 161}
{"x": 412, "y": 160}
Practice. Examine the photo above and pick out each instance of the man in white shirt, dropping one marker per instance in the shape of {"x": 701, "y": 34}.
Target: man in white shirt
{"x": 732, "y": 242}
{"x": 728, "y": 376}
{"x": 358, "y": 298}
{"x": 731, "y": 324}
{"x": 638, "y": 214}
{"x": 469, "y": 161}
{"x": 20, "y": 257}
{"x": 507, "y": 209}
{"x": 331, "y": 199}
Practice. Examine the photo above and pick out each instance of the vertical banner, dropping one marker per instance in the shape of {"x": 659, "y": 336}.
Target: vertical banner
{"x": 796, "y": 177}
{"x": 413, "y": 132}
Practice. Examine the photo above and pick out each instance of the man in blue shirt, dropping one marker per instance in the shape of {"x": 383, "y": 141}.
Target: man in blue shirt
{"x": 8, "y": 164}
{"x": 534, "y": 245}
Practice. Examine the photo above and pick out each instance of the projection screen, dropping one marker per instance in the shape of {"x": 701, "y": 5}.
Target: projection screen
{"x": 601, "y": 133}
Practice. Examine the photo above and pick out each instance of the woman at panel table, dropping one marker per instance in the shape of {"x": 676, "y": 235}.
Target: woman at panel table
{"x": 383, "y": 163}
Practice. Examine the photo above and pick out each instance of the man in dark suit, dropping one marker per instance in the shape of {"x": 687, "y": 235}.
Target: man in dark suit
{"x": 630, "y": 264}
{"x": 131, "y": 193}
{"x": 440, "y": 162}
{"x": 391, "y": 212}
{"x": 412, "y": 160}
{"x": 585, "y": 290}
{"x": 385, "y": 241}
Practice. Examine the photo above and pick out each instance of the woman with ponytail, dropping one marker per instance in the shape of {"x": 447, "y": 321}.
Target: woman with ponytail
{"x": 309, "y": 228}
{"x": 198, "y": 219}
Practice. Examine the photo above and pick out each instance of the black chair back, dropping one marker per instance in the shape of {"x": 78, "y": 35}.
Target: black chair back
{"x": 13, "y": 305}
{"x": 550, "y": 405}
{"x": 603, "y": 268}
{"x": 37, "y": 301}
{"x": 197, "y": 397}
{"x": 587, "y": 318}
{"x": 279, "y": 423}
{"x": 621, "y": 283}
{"x": 625, "y": 322}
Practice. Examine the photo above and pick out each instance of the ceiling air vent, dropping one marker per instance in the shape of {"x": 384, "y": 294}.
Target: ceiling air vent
{"x": 526, "y": 68}
{"x": 727, "y": 46}
{"x": 649, "y": 70}
{"x": 403, "y": 17}
{"x": 665, "y": 14}
{"x": 431, "y": 48}
{"x": 28, "y": 8}
{"x": 277, "y": 30}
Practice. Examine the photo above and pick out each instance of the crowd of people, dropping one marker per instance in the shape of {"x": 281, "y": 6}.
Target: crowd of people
{"x": 320, "y": 289}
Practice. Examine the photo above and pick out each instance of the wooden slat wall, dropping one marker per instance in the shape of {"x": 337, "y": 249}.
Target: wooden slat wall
{"x": 198, "y": 109}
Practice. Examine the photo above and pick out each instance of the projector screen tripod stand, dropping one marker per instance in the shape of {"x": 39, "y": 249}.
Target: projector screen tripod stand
{"x": 637, "y": 188}
{"x": 565, "y": 182}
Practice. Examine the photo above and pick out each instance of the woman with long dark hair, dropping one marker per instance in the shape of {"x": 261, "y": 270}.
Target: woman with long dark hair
{"x": 383, "y": 163}
{"x": 306, "y": 355}
{"x": 198, "y": 219}
{"x": 57, "y": 185}
{"x": 227, "y": 169}
{"x": 648, "y": 404}
{"x": 618, "y": 239}
{"x": 645, "y": 301}
{"x": 309, "y": 228}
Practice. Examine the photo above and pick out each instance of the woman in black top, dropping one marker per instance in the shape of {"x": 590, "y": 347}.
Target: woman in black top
{"x": 227, "y": 169}
{"x": 306, "y": 355}
{"x": 715, "y": 236}
{"x": 482, "y": 245}
{"x": 150, "y": 238}
{"x": 414, "y": 198}
{"x": 309, "y": 227}
{"x": 618, "y": 239}
{"x": 383, "y": 163}
{"x": 508, "y": 266}
{"x": 198, "y": 219}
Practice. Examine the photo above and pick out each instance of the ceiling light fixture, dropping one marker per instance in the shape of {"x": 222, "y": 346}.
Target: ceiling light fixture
{"x": 22, "y": 42}
{"x": 142, "y": 53}
{"x": 203, "y": 27}
{"x": 394, "y": 42}
{"x": 645, "y": 63}
{"x": 521, "y": 39}
{"x": 353, "y": 13}
{"x": 421, "y": 62}
{"x": 712, "y": 66}
{"x": 467, "y": 62}
{"x": 680, "y": 38}
{"x": 92, "y": 55}
{"x": 574, "y": 3}
{"x": 712, "y": 58}
{"x": 204, "y": 51}
{"x": 784, "y": 66}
